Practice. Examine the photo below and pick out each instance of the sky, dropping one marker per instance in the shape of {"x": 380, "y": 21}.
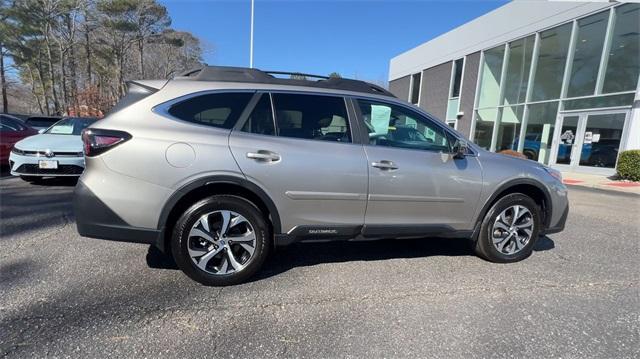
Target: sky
{"x": 355, "y": 38}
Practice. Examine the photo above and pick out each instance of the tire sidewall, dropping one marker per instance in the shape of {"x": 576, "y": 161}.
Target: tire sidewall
{"x": 485, "y": 244}
{"x": 180, "y": 236}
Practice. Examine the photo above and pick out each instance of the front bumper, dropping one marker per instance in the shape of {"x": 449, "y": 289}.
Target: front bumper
{"x": 96, "y": 220}
{"x": 560, "y": 223}
{"x": 22, "y": 165}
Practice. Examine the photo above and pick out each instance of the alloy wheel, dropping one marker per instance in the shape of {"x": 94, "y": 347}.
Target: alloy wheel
{"x": 221, "y": 242}
{"x": 512, "y": 229}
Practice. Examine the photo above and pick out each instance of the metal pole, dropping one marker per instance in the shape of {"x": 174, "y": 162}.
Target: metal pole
{"x": 251, "y": 39}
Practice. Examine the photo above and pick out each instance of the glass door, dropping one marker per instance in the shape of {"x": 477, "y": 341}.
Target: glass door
{"x": 590, "y": 141}
{"x": 567, "y": 142}
{"x": 601, "y": 140}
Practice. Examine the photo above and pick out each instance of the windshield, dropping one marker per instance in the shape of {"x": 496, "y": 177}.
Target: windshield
{"x": 70, "y": 126}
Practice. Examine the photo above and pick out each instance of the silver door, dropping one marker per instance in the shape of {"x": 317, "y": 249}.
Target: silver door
{"x": 311, "y": 181}
{"x": 420, "y": 185}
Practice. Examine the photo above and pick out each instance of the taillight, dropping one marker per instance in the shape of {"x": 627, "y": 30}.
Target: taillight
{"x": 97, "y": 141}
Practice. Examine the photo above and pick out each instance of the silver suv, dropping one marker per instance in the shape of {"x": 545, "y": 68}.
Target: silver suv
{"x": 220, "y": 165}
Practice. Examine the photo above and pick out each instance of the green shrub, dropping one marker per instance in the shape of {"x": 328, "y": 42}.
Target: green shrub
{"x": 629, "y": 165}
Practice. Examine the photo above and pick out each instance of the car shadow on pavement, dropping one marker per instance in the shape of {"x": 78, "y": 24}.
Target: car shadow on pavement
{"x": 309, "y": 254}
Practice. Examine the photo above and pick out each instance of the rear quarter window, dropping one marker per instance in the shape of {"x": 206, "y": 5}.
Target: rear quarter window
{"x": 217, "y": 110}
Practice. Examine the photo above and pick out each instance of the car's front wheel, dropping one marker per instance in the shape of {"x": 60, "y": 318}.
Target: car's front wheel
{"x": 220, "y": 240}
{"x": 509, "y": 230}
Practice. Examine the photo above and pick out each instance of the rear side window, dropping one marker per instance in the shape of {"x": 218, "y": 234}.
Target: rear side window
{"x": 10, "y": 125}
{"x": 322, "y": 118}
{"x": 216, "y": 110}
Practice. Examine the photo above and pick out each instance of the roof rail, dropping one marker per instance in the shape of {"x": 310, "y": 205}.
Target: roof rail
{"x": 252, "y": 75}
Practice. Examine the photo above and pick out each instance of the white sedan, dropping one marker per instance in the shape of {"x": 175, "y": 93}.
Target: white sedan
{"x": 56, "y": 151}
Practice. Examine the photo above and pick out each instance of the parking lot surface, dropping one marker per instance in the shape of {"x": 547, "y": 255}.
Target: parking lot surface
{"x": 577, "y": 296}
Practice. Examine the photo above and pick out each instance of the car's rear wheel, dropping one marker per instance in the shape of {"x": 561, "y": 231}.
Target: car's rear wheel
{"x": 509, "y": 230}
{"x": 220, "y": 240}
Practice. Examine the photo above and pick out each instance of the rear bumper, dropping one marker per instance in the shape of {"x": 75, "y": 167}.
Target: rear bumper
{"x": 95, "y": 219}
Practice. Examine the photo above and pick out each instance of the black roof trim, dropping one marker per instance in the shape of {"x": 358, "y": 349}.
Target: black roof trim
{"x": 244, "y": 74}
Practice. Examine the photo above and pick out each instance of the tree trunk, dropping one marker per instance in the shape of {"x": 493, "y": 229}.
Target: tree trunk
{"x": 33, "y": 89}
{"x": 44, "y": 89}
{"x": 63, "y": 72}
{"x": 72, "y": 64}
{"x": 87, "y": 50}
{"x": 3, "y": 80}
{"x": 141, "y": 49}
{"x": 52, "y": 75}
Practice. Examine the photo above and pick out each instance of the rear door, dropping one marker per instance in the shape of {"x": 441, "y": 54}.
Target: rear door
{"x": 415, "y": 184}
{"x": 300, "y": 151}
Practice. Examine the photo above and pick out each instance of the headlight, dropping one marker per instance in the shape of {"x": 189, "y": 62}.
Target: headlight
{"x": 17, "y": 151}
{"x": 554, "y": 173}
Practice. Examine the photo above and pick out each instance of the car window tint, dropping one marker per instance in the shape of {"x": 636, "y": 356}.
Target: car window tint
{"x": 261, "y": 119}
{"x": 395, "y": 126}
{"x": 10, "y": 125}
{"x": 313, "y": 117}
{"x": 217, "y": 110}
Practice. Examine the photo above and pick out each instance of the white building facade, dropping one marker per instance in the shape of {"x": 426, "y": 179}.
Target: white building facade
{"x": 555, "y": 80}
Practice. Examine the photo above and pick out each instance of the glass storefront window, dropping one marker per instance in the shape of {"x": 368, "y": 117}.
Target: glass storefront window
{"x": 491, "y": 73}
{"x": 599, "y": 102}
{"x": 485, "y": 119}
{"x": 552, "y": 56}
{"x": 518, "y": 66}
{"x": 586, "y": 59}
{"x": 452, "y": 108}
{"x": 623, "y": 66}
{"x": 415, "y": 87}
{"x": 509, "y": 128}
{"x": 539, "y": 132}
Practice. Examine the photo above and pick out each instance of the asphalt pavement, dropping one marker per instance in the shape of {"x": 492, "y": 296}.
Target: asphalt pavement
{"x": 577, "y": 296}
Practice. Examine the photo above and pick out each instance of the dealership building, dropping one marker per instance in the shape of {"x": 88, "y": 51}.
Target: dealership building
{"x": 555, "y": 80}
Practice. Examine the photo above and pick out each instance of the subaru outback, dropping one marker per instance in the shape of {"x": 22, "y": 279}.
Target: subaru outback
{"x": 220, "y": 165}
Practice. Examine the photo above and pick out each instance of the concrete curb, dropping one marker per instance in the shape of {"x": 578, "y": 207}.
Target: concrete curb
{"x": 599, "y": 189}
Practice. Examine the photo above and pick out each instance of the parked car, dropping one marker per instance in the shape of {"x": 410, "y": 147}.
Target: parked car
{"x": 221, "y": 164}
{"x": 12, "y": 130}
{"x": 42, "y": 122}
{"x": 54, "y": 153}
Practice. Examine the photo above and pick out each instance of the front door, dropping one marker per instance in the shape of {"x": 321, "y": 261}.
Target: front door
{"x": 415, "y": 184}
{"x": 590, "y": 141}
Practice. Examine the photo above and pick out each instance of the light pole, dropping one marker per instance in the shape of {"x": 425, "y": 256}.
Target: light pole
{"x": 251, "y": 39}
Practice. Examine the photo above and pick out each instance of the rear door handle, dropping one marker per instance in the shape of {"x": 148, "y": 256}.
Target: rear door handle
{"x": 385, "y": 165}
{"x": 265, "y": 156}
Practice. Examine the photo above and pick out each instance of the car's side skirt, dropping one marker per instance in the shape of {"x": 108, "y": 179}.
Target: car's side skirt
{"x": 312, "y": 233}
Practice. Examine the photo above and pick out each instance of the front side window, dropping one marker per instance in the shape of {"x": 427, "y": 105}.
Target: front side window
{"x": 216, "y": 110}
{"x": 312, "y": 117}
{"x": 394, "y": 126}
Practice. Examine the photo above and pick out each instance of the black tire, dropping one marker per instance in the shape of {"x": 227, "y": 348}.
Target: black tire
{"x": 180, "y": 236}
{"x": 484, "y": 246}
{"x": 530, "y": 154}
{"x": 31, "y": 179}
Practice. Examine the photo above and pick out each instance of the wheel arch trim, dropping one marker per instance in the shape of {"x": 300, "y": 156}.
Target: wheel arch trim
{"x": 510, "y": 184}
{"x": 220, "y": 179}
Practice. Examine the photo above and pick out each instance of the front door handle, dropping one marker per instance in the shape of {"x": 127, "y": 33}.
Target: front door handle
{"x": 385, "y": 165}
{"x": 265, "y": 156}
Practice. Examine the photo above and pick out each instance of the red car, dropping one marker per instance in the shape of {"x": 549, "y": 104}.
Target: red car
{"x": 12, "y": 130}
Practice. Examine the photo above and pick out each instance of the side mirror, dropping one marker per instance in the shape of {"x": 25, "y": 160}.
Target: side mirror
{"x": 460, "y": 149}
{"x": 42, "y": 130}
